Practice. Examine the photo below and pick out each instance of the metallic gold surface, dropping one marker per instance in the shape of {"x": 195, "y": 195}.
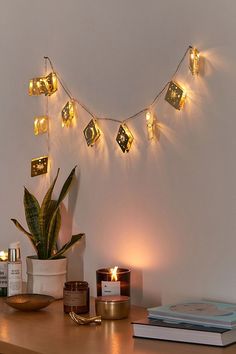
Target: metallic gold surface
{"x": 112, "y": 307}
{"x": 194, "y": 61}
{"x": 85, "y": 320}
{"x": 43, "y": 85}
{"x": 175, "y": 95}
{"x": 68, "y": 114}
{"x": 92, "y": 132}
{"x": 40, "y": 125}
{"x": 29, "y": 302}
{"x": 124, "y": 138}
{"x": 39, "y": 166}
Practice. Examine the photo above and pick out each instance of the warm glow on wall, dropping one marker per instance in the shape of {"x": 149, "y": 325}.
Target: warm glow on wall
{"x": 40, "y": 125}
{"x": 175, "y": 95}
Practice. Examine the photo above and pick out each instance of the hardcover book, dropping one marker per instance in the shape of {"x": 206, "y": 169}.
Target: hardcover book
{"x": 208, "y": 313}
{"x": 183, "y": 332}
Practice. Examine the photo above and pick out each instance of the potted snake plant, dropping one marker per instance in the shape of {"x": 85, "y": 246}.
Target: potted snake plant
{"x": 46, "y": 272}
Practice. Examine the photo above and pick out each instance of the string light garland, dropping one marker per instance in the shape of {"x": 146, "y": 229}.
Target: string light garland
{"x": 175, "y": 96}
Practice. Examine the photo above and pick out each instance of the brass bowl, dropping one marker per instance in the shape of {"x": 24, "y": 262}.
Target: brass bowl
{"x": 29, "y": 302}
{"x": 112, "y": 307}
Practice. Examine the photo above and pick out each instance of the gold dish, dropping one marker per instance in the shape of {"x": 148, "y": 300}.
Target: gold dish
{"x": 29, "y": 302}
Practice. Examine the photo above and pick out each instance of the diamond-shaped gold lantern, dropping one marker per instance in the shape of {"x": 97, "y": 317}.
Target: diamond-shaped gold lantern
{"x": 40, "y": 125}
{"x": 51, "y": 84}
{"x": 39, "y": 166}
{"x": 124, "y": 138}
{"x": 68, "y": 113}
{"x": 194, "y": 61}
{"x": 43, "y": 85}
{"x": 175, "y": 95}
{"x": 92, "y": 132}
{"x": 37, "y": 86}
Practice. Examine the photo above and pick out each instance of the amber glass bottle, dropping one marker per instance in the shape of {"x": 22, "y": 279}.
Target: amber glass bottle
{"x": 76, "y": 297}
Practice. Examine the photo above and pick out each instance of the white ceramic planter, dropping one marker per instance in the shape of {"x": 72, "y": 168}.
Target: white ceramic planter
{"x": 46, "y": 276}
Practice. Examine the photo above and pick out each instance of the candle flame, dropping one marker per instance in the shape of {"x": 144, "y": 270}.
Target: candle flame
{"x": 3, "y": 256}
{"x": 113, "y": 272}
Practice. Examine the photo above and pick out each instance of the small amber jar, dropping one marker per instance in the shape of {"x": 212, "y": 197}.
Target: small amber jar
{"x": 76, "y": 297}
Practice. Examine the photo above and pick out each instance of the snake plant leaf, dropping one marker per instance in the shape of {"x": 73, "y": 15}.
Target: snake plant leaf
{"x": 32, "y": 210}
{"x": 66, "y": 186}
{"x": 46, "y": 208}
{"x": 53, "y": 232}
{"x": 52, "y": 208}
{"x": 67, "y": 246}
{"x": 31, "y": 237}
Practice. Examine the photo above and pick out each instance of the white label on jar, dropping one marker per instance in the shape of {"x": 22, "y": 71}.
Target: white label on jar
{"x": 75, "y": 298}
{"x": 110, "y": 288}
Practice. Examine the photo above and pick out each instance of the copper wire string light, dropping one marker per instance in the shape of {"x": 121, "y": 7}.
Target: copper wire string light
{"x": 133, "y": 116}
{"x": 47, "y": 85}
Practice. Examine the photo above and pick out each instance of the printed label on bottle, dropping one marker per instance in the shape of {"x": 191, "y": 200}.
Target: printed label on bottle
{"x": 14, "y": 275}
{"x": 3, "y": 274}
{"x": 110, "y": 288}
{"x": 75, "y": 298}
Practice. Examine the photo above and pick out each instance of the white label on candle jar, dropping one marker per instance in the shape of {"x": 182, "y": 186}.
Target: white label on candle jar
{"x": 110, "y": 288}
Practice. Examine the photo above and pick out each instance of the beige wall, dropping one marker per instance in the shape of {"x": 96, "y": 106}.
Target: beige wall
{"x": 165, "y": 210}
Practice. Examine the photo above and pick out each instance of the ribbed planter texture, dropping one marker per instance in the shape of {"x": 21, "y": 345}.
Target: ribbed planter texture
{"x": 46, "y": 276}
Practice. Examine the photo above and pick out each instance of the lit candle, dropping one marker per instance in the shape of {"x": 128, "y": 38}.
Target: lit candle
{"x": 113, "y": 281}
{"x": 3, "y": 256}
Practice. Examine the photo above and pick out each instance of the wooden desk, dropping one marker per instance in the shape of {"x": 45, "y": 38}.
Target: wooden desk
{"x": 49, "y": 331}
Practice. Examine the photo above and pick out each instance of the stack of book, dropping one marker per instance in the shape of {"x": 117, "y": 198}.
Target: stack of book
{"x": 203, "y": 322}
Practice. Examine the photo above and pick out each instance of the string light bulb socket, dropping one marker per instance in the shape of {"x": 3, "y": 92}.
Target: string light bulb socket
{"x": 124, "y": 138}
{"x": 175, "y": 95}
{"x": 92, "y": 132}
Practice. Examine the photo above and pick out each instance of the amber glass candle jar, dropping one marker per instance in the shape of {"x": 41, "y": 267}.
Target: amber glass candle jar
{"x": 76, "y": 297}
{"x": 107, "y": 285}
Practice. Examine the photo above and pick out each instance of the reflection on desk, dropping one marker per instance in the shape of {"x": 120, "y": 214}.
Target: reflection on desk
{"x": 50, "y": 331}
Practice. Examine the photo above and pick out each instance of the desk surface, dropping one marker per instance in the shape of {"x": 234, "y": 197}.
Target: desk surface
{"x": 49, "y": 331}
